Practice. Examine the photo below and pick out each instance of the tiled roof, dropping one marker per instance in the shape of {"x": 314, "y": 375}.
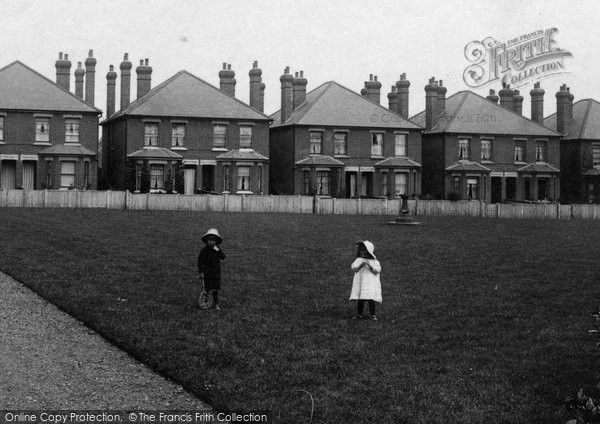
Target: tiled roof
{"x": 398, "y": 162}
{"x": 155, "y": 153}
{"x": 332, "y": 104}
{"x": 242, "y": 155}
{"x": 502, "y": 167}
{"x": 585, "y": 124}
{"x": 538, "y": 167}
{"x": 320, "y": 160}
{"x": 67, "y": 150}
{"x": 187, "y": 96}
{"x": 468, "y": 166}
{"x": 592, "y": 172}
{"x": 469, "y": 113}
{"x": 22, "y": 88}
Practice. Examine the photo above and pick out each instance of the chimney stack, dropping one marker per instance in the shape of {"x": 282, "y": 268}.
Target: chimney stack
{"x": 562, "y": 109}
{"x": 373, "y": 88}
{"x": 111, "y": 82}
{"x": 227, "y": 80}
{"x": 571, "y": 97}
{"x": 63, "y": 71}
{"x": 287, "y": 94}
{"x": 90, "y": 78}
{"x": 256, "y": 99}
{"x": 441, "y": 102}
{"x": 402, "y": 87}
{"x": 125, "y": 81}
{"x": 537, "y": 103}
{"x": 393, "y": 99}
{"x": 517, "y": 102}
{"x": 299, "y": 84}
{"x": 431, "y": 97}
{"x": 79, "y": 75}
{"x": 492, "y": 97}
{"x": 506, "y": 97}
{"x": 144, "y": 78}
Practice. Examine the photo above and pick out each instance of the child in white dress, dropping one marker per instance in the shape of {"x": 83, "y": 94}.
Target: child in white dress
{"x": 366, "y": 285}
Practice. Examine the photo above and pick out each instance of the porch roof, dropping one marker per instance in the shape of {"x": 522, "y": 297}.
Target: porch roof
{"x": 66, "y": 150}
{"x": 398, "y": 162}
{"x": 592, "y": 172}
{"x": 242, "y": 154}
{"x": 321, "y": 160}
{"x": 468, "y": 166}
{"x": 154, "y": 153}
{"x": 538, "y": 167}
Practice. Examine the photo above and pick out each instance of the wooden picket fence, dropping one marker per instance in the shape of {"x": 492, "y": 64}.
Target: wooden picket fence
{"x": 289, "y": 204}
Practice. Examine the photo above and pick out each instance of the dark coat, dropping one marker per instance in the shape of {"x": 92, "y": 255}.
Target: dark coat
{"x": 209, "y": 264}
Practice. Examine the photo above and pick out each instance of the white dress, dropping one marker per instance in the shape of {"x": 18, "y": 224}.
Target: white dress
{"x": 366, "y": 284}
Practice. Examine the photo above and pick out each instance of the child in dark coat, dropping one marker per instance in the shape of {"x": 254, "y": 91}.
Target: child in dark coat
{"x": 209, "y": 264}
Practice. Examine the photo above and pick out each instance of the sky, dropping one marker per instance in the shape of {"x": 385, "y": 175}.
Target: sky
{"x": 342, "y": 41}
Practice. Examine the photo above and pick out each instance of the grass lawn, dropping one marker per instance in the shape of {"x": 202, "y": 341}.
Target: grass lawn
{"x": 482, "y": 321}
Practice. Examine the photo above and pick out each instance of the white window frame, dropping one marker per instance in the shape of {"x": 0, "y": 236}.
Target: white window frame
{"x": 178, "y": 135}
{"x": 473, "y": 187}
{"x": 400, "y": 188}
{"x": 486, "y": 152}
{"x": 323, "y": 183}
{"x": 376, "y": 144}
{"x": 244, "y": 178}
{"x": 218, "y": 136}
{"x": 400, "y": 145}
{"x": 340, "y": 143}
{"x": 520, "y": 151}
{"x": 246, "y": 139}
{"x": 157, "y": 176}
{"x": 42, "y": 132}
{"x": 67, "y": 176}
{"x": 541, "y": 151}
{"x": 464, "y": 149}
{"x": 72, "y": 130}
{"x": 1, "y": 128}
{"x": 596, "y": 155}
{"x": 150, "y": 134}
{"x": 316, "y": 147}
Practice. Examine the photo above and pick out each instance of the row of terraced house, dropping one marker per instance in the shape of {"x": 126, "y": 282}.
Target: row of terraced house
{"x": 188, "y": 136}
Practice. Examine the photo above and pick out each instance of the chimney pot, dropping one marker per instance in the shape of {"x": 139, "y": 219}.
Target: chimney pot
{"x": 255, "y": 64}
{"x": 60, "y": 56}
{"x": 229, "y": 67}
{"x": 224, "y": 66}
{"x": 126, "y": 56}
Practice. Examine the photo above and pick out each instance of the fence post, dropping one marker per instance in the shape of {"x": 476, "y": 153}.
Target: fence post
{"x": 571, "y": 212}
{"x": 45, "y": 197}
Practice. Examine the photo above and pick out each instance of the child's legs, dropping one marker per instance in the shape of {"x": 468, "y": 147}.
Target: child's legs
{"x": 360, "y": 306}
{"x": 372, "y": 307}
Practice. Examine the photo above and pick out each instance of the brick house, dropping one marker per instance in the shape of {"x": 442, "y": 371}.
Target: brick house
{"x": 335, "y": 142}
{"x": 186, "y": 135}
{"x": 579, "y": 125}
{"x": 475, "y": 148}
{"x": 48, "y": 135}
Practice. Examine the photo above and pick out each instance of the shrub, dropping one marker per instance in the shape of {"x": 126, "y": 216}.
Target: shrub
{"x": 453, "y": 196}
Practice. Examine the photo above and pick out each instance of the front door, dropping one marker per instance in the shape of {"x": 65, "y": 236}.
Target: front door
{"x": 8, "y": 176}
{"x": 511, "y": 188}
{"x": 351, "y": 184}
{"x": 496, "y": 189}
{"x": 189, "y": 180}
{"x": 208, "y": 177}
{"x": 29, "y": 175}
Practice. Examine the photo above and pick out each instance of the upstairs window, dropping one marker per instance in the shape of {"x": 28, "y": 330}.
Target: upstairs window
{"x": 596, "y": 154}
{"x": 486, "y": 150}
{"x": 219, "y": 136}
{"x": 463, "y": 149}
{"x": 519, "y": 151}
{"x": 400, "y": 144}
{"x": 151, "y": 134}
{"x": 1, "y": 128}
{"x": 540, "y": 151}
{"x": 316, "y": 140}
{"x": 376, "y": 144}
{"x": 72, "y": 131}
{"x": 245, "y": 137}
{"x": 339, "y": 143}
{"x": 42, "y": 130}
{"x": 178, "y": 135}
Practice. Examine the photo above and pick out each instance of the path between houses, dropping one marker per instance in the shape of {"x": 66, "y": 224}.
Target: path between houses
{"x": 49, "y": 360}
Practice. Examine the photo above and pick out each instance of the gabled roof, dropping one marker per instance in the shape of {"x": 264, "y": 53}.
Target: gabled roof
{"x": 242, "y": 155}
{"x": 187, "y": 96}
{"x": 67, "y": 150}
{"x": 22, "y": 88}
{"x": 585, "y": 124}
{"x": 468, "y": 166}
{"x": 538, "y": 167}
{"x": 332, "y": 104}
{"x": 469, "y": 113}
{"x": 398, "y": 162}
{"x": 154, "y": 153}
{"x": 320, "y": 160}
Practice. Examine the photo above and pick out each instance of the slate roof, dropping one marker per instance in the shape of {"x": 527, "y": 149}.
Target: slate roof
{"x": 332, "y": 104}
{"x": 23, "y": 88}
{"x": 187, "y": 96}
{"x": 592, "y": 172}
{"x": 155, "y": 153}
{"x": 320, "y": 160}
{"x": 67, "y": 150}
{"x": 469, "y": 113}
{"x": 585, "y": 124}
{"x": 401, "y": 162}
{"x": 468, "y": 166}
{"x": 538, "y": 167}
{"x": 242, "y": 155}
